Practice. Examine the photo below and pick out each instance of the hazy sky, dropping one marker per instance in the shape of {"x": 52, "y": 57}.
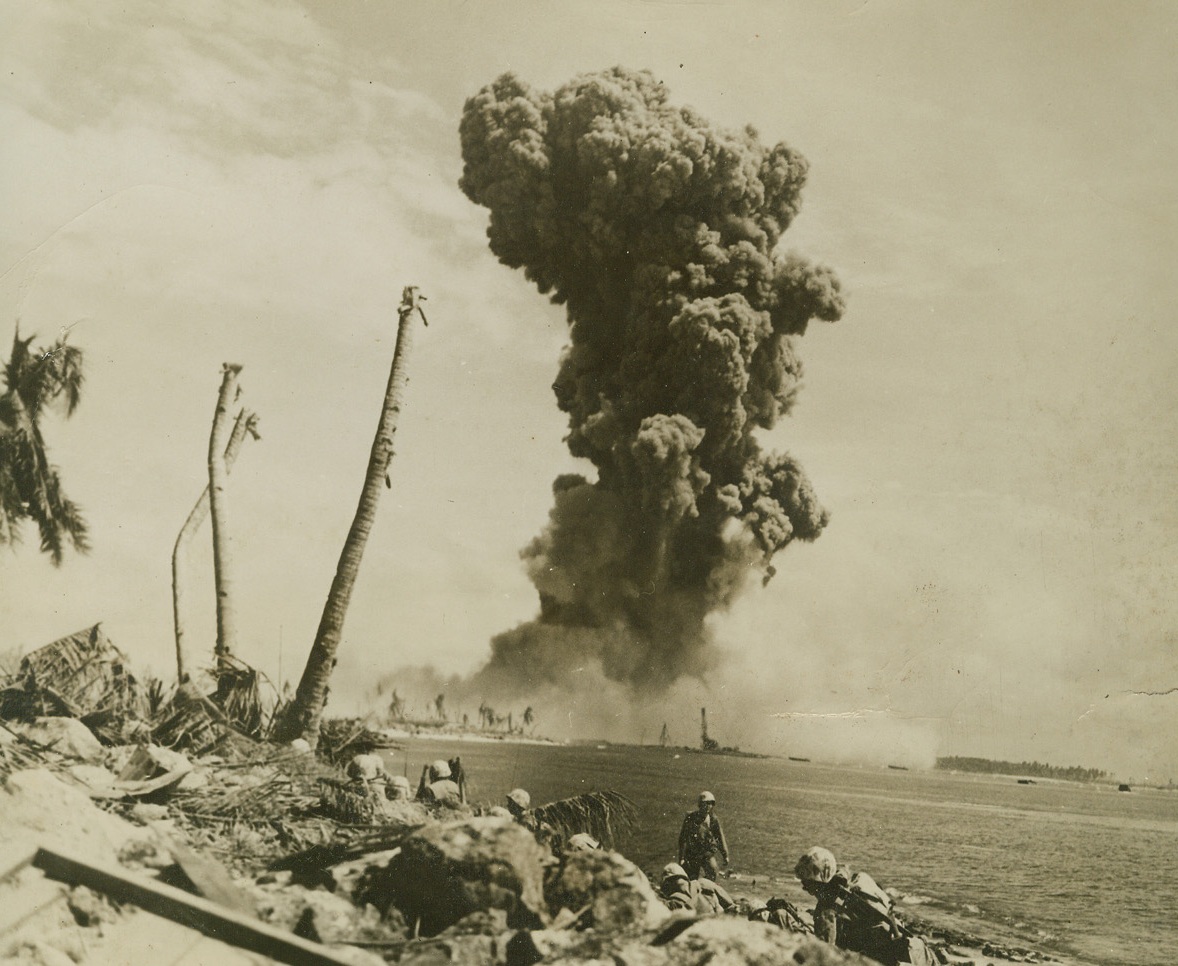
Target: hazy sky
{"x": 991, "y": 424}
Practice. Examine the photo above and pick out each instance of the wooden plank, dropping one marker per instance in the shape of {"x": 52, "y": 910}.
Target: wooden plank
{"x": 205, "y": 917}
{"x": 211, "y": 880}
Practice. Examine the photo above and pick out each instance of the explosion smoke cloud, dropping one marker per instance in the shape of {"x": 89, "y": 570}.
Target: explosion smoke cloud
{"x": 660, "y": 234}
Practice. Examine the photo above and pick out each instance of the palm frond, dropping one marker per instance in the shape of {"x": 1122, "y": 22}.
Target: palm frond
{"x": 607, "y": 816}
{"x": 30, "y": 488}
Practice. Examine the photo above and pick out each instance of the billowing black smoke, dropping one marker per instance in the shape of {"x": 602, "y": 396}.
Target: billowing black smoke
{"x": 659, "y": 232}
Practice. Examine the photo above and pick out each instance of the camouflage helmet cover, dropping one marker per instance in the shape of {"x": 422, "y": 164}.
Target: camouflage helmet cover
{"x": 707, "y": 797}
{"x": 583, "y": 842}
{"x": 674, "y": 870}
{"x": 520, "y": 797}
{"x": 817, "y": 865}
{"x": 439, "y": 769}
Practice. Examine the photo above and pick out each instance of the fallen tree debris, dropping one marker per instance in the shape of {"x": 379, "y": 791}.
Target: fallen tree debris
{"x": 207, "y": 918}
{"x": 81, "y": 676}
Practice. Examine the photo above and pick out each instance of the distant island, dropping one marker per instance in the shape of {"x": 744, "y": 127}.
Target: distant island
{"x": 988, "y": 766}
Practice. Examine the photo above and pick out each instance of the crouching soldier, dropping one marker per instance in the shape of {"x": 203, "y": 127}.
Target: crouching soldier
{"x": 437, "y": 787}
{"x": 781, "y": 913}
{"x": 701, "y": 896}
{"x": 855, "y": 914}
{"x": 519, "y": 807}
{"x": 367, "y": 769}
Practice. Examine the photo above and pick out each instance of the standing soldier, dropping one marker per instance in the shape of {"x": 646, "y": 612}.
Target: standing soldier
{"x": 700, "y": 839}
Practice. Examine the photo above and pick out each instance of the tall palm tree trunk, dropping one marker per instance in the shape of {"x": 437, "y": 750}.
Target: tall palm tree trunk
{"x": 246, "y": 423}
{"x": 302, "y": 718}
{"x": 219, "y": 506}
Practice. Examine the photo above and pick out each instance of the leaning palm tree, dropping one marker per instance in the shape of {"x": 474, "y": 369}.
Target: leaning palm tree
{"x": 301, "y": 718}
{"x": 30, "y": 488}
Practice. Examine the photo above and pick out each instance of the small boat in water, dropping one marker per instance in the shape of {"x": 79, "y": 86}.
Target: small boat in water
{"x": 792, "y": 758}
{"x": 1124, "y": 788}
{"x": 898, "y": 767}
{"x": 1026, "y": 781}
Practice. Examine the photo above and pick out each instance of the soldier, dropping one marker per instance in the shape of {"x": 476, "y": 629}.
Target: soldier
{"x": 582, "y": 842}
{"x": 399, "y": 789}
{"x": 855, "y": 914}
{"x": 367, "y": 769}
{"x": 437, "y": 787}
{"x": 701, "y": 896}
{"x": 519, "y": 804}
{"x": 701, "y": 838}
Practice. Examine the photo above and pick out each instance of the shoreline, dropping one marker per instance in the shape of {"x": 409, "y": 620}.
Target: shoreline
{"x": 420, "y": 733}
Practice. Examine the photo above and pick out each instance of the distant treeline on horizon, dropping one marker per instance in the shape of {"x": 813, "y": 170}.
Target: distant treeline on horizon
{"x": 1040, "y": 770}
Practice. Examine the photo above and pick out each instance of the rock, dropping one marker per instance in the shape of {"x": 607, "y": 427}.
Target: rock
{"x": 40, "y": 809}
{"x": 724, "y": 939}
{"x": 46, "y": 955}
{"x": 66, "y": 736}
{"x": 467, "y": 950}
{"x": 618, "y": 892}
{"x": 145, "y": 813}
{"x": 527, "y": 948}
{"x": 445, "y": 872}
{"x": 347, "y": 875}
{"x": 151, "y": 761}
{"x": 96, "y": 778}
{"x": 330, "y": 917}
{"x": 90, "y": 908}
{"x": 197, "y": 778}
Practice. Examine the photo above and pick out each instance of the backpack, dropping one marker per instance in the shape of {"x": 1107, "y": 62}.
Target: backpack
{"x": 866, "y": 888}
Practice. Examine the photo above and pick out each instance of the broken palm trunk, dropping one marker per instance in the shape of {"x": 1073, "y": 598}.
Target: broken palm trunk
{"x": 219, "y": 508}
{"x": 246, "y": 424}
{"x": 81, "y": 676}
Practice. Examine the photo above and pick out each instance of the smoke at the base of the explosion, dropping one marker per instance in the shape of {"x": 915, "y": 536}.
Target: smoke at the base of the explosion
{"x": 745, "y": 711}
{"x": 659, "y": 232}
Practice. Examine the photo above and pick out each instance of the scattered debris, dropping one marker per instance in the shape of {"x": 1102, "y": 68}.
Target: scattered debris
{"x": 199, "y": 805}
{"x": 206, "y": 917}
{"x": 81, "y": 676}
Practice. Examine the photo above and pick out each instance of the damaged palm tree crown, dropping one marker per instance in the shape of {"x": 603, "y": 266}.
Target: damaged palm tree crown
{"x": 659, "y": 233}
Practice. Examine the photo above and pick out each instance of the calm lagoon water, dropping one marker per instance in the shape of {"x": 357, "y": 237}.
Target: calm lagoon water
{"x": 1083, "y": 870}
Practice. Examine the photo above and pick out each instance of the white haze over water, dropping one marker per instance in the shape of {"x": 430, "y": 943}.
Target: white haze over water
{"x": 991, "y": 423}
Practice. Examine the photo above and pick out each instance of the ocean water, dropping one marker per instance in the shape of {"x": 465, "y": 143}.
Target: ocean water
{"x": 1081, "y": 870}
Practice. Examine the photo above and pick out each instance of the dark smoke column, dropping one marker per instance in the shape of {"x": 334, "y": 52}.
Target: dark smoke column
{"x": 659, "y": 234}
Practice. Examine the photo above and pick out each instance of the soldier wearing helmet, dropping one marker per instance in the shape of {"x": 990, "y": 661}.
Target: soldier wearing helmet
{"x": 855, "y": 914}
{"x": 582, "y": 842}
{"x": 519, "y": 805}
{"x": 701, "y": 896}
{"x": 701, "y": 839}
{"x": 437, "y": 785}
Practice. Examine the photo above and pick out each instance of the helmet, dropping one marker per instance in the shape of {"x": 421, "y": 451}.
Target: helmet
{"x": 817, "y": 865}
{"x": 519, "y": 797}
{"x": 439, "y": 769}
{"x": 673, "y": 870}
{"x": 707, "y": 797}
{"x": 583, "y": 842}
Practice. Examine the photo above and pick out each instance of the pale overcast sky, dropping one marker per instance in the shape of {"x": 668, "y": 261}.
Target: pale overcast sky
{"x": 991, "y": 424}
